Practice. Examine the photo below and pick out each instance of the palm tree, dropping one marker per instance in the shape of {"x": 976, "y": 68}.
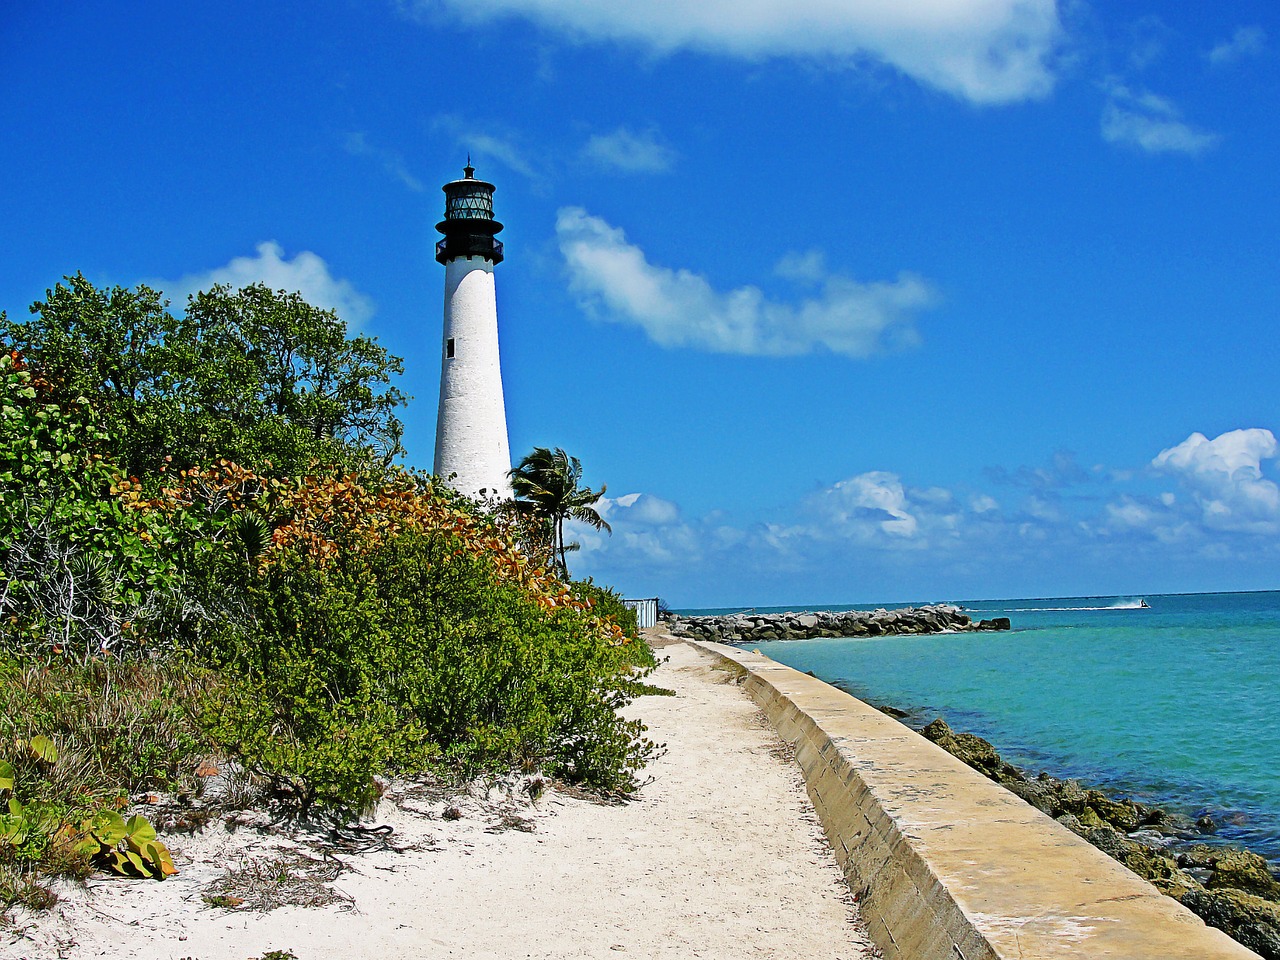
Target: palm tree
{"x": 547, "y": 482}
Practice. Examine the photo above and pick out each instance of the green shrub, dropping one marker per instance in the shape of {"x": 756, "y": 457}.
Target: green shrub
{"x": 608, "y": 603}
{"x": 416, "y": 652}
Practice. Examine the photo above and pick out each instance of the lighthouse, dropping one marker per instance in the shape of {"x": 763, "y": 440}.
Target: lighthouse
{"x": 472, "y": 451}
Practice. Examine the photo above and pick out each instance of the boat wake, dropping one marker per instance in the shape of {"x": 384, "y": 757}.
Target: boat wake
{"x": 1118, "y": 605}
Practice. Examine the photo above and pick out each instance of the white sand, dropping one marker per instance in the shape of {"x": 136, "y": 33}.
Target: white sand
{"x": 720, "y": 856}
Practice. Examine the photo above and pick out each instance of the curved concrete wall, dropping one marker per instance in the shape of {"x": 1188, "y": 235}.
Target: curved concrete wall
{"x": 947, "y": 865}
{"x": 471, "y": 426}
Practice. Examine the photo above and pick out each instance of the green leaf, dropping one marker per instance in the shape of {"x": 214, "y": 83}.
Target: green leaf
{"x": 159, "y": 855}
{"x": 13, "y": 830}
{"x": 109, "y": 827}
{"x": 139, "y": 829}
{"x": 137, "y": 863}
{"x": 7, "y": 774}
{"x": 43, "y": 748}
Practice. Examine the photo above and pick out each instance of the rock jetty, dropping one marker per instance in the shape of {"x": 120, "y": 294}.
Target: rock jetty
{"x": 754, "y": 627}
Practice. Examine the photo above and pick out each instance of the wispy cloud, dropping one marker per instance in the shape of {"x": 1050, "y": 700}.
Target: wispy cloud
{"x": 358, "y": 145}
{"x": 1060, "y": 472}
{"x": 489, "y": 142}
{"x": 1244, "y": 43}
{"x": 985, "y": 51}
{"x": 676, "y": 307}
{"x": 1141, "y": 119}
{"x": 1150, "y": 36}
{"x": 628, "y": 152}
{"x": 307, "y": 273}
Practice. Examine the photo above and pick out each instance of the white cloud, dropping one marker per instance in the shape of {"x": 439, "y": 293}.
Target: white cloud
{"x": 629, "y": 152}
{"x": 643, "y": 508}
{"x": 358, "y": 145}
{"x": 883, "y": 534}
{"x": 306, "y": 273}
{"x": 1149, "y": 122}
{"x": 986, "y": 51}
{"x": 676, "y": 308}
{"x": 1245, "y": 42}
{"x": 981, "y": 503}
{"x": 871, "y": 500}
{"x": 1224, "y": 476}
{"x": 646, "y": 529}
{"x": 1127, "y": 512}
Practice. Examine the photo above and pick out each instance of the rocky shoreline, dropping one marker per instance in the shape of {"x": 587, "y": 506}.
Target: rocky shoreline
{"x": 757, "y": 627}
{"x": 1229, "y": 888}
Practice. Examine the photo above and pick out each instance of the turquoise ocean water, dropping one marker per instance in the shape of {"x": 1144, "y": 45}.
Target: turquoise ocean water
{"x": 1178, "y": 704}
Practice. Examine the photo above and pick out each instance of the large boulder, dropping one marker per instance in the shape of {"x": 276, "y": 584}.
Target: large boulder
{"x": 1125, "y": 815}
{"x": 1072, "y": 797}
{"x": 1249, "y": 920}
{"x": 1035, "y": 793}
{"x": 973, "y": 750}
{"x": 1242, "y": 870}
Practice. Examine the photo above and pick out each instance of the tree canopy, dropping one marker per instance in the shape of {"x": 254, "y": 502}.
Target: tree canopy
{"x": 255, "y": 375}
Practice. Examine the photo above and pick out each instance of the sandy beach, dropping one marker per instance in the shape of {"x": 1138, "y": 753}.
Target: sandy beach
{"x": 718, "y": 856}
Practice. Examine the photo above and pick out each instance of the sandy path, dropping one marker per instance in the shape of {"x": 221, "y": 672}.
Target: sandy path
{"x": 720, "y": 857}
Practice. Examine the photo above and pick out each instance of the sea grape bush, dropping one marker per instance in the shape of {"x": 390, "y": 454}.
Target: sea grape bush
{"x": 57, "y": 835}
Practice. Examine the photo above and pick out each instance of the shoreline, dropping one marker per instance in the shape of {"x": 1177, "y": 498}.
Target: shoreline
{"x": 1225, "y": 883}
{"x": 947, "y": 862}
{"x": 914, "y": 718}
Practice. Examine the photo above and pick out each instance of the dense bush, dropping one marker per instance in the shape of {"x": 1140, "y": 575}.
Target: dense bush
{"x": 78, "y": 570}
{"x": 320, "y": 624}
{"x": 608, "y": 603}
{"x": 390, "y": 627}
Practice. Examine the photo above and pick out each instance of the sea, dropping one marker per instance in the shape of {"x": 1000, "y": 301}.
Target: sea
{"x": 1176, "y": 703}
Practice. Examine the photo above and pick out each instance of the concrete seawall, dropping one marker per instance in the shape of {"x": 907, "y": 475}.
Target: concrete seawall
{"x": 948, "y": 865}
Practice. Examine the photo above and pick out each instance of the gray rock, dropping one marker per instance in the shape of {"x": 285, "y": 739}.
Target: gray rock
{"x": 1250, "y": 920}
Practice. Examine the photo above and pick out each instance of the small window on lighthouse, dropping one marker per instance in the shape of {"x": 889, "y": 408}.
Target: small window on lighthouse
{"x": 448, "y": 349}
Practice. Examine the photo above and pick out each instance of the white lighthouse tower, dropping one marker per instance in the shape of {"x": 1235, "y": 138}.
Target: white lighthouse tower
{"x": 472, "y": 451}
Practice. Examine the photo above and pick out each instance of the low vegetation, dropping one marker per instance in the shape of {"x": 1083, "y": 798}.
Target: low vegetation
{"x": 208, "y": 559}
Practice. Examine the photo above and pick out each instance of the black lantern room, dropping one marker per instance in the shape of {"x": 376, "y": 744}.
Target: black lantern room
{"x": 468, "y": 225}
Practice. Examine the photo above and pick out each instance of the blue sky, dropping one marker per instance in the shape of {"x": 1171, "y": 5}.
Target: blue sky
{"x": 845, "y": 302}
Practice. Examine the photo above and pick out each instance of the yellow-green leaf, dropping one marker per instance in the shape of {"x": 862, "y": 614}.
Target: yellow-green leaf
{"x": 43, "y": 748}
{"x": 140, "y": 829}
